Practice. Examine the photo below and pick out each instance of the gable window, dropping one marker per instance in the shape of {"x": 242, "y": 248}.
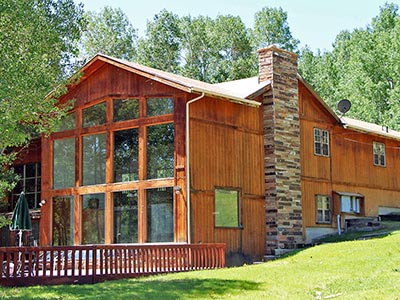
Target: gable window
{"x": 94, "y": 115}
{"x": 159, "y": 106}
{"x": 125, "y": 109}
{"x": 379, "y": 154}
{"x": 350, "y": 204}
{"x": 323, "y": 206}
{"x": 226, "y": 210}
{"x": 321, "y": 142}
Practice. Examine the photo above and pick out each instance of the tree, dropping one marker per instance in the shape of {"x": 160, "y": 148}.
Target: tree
{"x": 38, "y": 41}
{"x": 161, "y": 46}
{"x": 216, "y": 50}
{"x": 271, "y": 27}
{"x": 109, "y": 32}
{"x": 362, "y": 67}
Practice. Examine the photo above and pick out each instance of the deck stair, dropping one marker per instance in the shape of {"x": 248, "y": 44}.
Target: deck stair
{"x": 363, "y": 224}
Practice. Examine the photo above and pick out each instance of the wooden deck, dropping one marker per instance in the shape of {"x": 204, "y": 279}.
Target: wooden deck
{"x": 23, "y": 266}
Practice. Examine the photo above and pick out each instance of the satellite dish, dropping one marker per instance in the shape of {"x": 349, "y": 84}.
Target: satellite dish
{"x": 343, "y": 106}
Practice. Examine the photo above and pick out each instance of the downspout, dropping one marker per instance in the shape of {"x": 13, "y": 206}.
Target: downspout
{"x": 188, "y": 183}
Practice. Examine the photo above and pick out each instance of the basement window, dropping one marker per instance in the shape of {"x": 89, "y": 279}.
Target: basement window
{"x": 321, "y": 142}
{"x": 227, "y": 209}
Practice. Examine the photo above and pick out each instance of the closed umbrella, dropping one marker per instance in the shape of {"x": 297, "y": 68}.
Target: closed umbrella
{"x": 21, "y": 220}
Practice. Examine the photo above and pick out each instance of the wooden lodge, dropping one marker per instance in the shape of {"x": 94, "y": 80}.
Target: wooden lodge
{"x": 261, "y": 164}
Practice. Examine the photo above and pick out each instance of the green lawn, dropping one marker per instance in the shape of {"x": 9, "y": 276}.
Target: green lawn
{"x": 361, "y": 269}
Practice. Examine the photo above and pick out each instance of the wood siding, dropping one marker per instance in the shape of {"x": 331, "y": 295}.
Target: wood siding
{"x": 349, "y": 167}
{"x": 227, "y": 151}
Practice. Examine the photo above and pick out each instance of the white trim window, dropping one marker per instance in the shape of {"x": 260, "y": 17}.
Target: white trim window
{"x": 379, "y": 154}
{"x": 350, "y": 204}
{"x": 323, "y": 209}
{"x": 321, "y": 142}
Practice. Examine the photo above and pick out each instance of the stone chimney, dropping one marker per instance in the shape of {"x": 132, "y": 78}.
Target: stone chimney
{"x": 284, "y": 229}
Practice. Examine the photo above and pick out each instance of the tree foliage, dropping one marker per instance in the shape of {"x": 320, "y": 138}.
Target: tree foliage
{"x": 161, "y": 46}
{"x": 109, "y": 32}
{"x": 362, "y": 67}
{"x": 38, "y": 40}
{"x": 271, "y": 27}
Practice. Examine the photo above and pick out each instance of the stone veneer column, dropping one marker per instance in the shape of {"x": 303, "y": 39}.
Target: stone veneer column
{"x": 281, "y": 150}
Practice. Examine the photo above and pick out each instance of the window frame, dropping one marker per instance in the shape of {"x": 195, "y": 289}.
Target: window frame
{"x": 353, "y": 199}
{"x": 329, "y": 201}
{"x": 37, "y": 178}
{"x": 379, "y": 152}
{"x": 238, "y": 208}
{"x": 322, "y": 135}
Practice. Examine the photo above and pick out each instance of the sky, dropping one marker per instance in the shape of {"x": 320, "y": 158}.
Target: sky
{"x": 315, "y": 23}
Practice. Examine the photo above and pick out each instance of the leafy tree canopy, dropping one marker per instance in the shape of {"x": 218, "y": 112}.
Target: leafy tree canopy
{"x": 362, "y": 67}
{"x": 109, "y": 32}
{"x": 38, "y": 41}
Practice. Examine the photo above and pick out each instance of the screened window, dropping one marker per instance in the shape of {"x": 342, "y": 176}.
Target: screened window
{"x": 64, "y": 163}
{"x": 160, "y": 215}
{"x": 324, "y": 213}
{"x": 159, "y": 106}
{"x": 126, "y": 151}
{"x": 379, "y": 154}
{"x": 63, "y": 221}
{"x": 29, "y": 182}
{"x": 94, "y": 115}
{"x": 126, "y": 217}
{"x": 226, "y": 208}
{"x": 68, "y": 122}
{"x": 94, "y": 159}
{"x": 125, "y": 109}
{"x": 350, "y": 204}
{"x": 160, "y": 151}
{"x": 321, "y": 142}
{"x": 93, "y": 208}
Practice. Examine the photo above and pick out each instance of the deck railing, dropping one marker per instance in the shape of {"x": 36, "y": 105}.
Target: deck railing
{"x": 23, "y": 266}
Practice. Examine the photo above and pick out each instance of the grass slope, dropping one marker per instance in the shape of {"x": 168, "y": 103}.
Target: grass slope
{"x": 362, "y": 269}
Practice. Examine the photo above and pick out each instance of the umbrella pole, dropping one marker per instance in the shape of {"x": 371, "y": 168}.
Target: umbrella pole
{"x": 20, "y": 238}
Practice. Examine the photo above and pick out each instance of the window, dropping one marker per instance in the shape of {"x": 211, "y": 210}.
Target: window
{"x": 126, "y": 149}
{"x": 125, "y": 217}
{"x": 226, "y": 208}
{"x": 29, "y": 183}
{"x": 379, "y": 154}
{"x": 160, "y": 215}
{"x": 125, "y": 109}
{"x": 350, "y": 204}
{"x": 94, "y": 115}
{"x": 63, "y": 221}
{"x": 67, "y": 123}
{"x": 321, "y": 142}
{"x": 159, "y": 106}
{"x": 64, "y": 163}
{"x": 160, "y": 151}
{"x": 324, "y": 213}
{"x": 94, "y": 159}
{"x": 93, "y": 224}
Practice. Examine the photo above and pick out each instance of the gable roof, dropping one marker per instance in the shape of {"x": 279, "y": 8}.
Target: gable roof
{"x": 353, "y": 124}
{"x": 239, "y": 91}
{"x": 370, "y": 128}
{"x": 180, "y": 82}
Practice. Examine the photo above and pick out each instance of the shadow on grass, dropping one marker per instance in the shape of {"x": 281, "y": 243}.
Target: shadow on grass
{"x": 139, "y": 289}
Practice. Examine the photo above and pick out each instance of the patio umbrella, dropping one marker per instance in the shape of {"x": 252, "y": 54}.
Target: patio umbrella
{"x": 21, "y": 220}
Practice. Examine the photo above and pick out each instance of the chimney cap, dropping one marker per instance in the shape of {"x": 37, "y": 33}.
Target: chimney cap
{"x": 275, "y": 48}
